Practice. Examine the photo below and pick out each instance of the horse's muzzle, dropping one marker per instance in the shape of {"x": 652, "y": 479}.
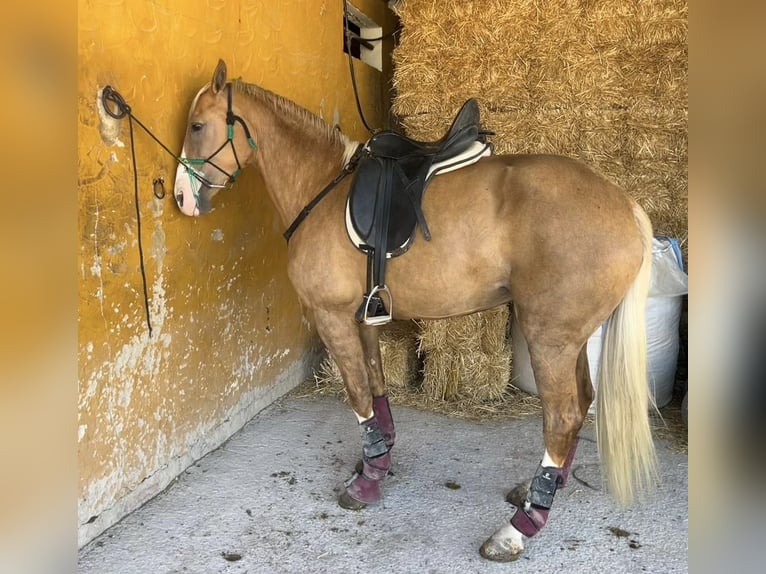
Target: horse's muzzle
{"x": 187, "y": 191}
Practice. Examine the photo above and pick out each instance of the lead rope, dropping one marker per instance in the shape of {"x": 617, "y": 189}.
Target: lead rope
{"x": 108, "y": 95}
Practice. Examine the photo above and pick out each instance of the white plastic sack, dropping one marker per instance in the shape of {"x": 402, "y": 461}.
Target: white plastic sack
{"x": 663, "y": 312}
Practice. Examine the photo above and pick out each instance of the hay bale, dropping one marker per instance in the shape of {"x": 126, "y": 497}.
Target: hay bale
{"x": 466, "y": 359}
{"x": 603, "y": 81}
{"x": 327, "y": 378}
{"x": 401, "y": 366}
{"x": 398, "y": 350}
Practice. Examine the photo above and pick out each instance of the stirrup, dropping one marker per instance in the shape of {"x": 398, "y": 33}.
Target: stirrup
{"x": 373, "y": 310}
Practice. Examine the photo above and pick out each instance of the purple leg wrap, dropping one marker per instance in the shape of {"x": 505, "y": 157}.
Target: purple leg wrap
{"x": 382, "y": 412}
{"x": 530, "y": 519}
{"x": 365, "y": 487}
{"x": 568, "y": 463}
{"x": 376, "y": 459}
{"x": 533, "y": 515}
{"x": 529, "y": 522}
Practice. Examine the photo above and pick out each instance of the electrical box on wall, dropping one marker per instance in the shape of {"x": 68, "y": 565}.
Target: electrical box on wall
{"x": 359, "y": 33}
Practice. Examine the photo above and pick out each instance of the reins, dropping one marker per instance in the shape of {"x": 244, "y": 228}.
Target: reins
{"x": 108, "y": 94}
{"x": 303, "y": 214}
{"x": 360, "y": 150}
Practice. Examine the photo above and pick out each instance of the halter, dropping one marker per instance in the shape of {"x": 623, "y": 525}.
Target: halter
{"x": 231, "y": 119}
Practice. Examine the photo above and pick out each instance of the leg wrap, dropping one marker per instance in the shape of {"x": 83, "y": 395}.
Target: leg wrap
{"x": 373, "y": 443}
{"x": 376, "y": 460}
{"x": 529, "y": 522}
{"x": 543, "y": 487}
{"x": 534, "y": 514}
{"x": 386, "y": 422}
{"x": 568, "y": 463}
{"x": 530, "y": 518}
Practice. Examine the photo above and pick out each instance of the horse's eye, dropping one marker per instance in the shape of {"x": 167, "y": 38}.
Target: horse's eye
{"x": 196, "y": 126}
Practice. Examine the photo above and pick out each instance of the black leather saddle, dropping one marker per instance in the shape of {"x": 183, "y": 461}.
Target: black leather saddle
{"x": 465, "y": 130}
{"x": 383, "y": 209}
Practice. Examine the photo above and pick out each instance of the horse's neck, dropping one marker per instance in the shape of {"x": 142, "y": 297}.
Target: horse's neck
{"x": 297, "y": 155}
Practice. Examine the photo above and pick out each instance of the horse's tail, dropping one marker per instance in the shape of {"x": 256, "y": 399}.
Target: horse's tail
{"x": 625, "y": 440}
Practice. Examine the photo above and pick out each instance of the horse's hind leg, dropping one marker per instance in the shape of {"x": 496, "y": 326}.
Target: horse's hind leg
{"x": 518, "y": 494}
{"x": 340, "y": 333}
{"x": 557, "y": 370}
{"x": 584, "y": 384}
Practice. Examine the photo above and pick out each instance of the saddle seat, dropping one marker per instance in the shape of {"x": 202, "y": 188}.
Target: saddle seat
{"x": 462, "y": 133}
{"x": 383, "y": 208}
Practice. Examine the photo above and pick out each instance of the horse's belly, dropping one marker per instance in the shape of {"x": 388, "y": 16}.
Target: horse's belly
{"x": 442, "y": 307}
{"x": 436, "y": 287}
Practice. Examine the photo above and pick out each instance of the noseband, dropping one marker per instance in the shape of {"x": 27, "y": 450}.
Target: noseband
{"x": 231, "y": 119}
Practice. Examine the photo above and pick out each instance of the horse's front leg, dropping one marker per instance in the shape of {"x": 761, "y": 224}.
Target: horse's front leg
{"x": 377, "y": 383}
{"x": 341, "y": 334}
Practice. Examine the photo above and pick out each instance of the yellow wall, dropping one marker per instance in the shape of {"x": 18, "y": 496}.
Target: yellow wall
{"x": 229, "y": 334}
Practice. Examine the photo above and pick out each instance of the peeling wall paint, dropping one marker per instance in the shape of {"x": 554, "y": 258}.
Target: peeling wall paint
{"x": 227, "y": 325}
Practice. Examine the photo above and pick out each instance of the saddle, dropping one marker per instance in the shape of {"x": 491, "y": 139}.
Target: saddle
{"x": 383, "y": 208}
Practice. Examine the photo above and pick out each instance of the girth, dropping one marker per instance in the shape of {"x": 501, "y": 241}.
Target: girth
{"x": 384, "y": 205}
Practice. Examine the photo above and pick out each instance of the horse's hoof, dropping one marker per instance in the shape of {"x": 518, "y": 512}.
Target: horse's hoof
{"x": 359, "y": 491}
{"x": 505, "y": 545}
{"x": 345, "y": 500}
{"x": 518, "y": 494}
{"x": 492, "y": 551}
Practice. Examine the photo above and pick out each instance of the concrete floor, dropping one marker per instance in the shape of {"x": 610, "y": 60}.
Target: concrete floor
{"x": 265, "y": 503}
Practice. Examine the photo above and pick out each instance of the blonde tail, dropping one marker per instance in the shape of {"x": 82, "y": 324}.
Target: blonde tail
{"x": 624, "y": 437}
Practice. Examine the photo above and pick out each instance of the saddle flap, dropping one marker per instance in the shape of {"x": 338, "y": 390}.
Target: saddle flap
{"x": 376, "y": 176}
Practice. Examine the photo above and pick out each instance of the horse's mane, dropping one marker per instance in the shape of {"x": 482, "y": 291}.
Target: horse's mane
{"x": 292, "y": 112}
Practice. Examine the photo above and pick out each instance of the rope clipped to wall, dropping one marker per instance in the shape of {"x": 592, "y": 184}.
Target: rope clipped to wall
{"x": 116, "y": 106}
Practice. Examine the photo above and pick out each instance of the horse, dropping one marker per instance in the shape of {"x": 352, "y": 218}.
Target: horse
{"x": 568, "y": 248}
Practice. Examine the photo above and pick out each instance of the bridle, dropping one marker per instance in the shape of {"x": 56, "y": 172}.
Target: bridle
{"x": 231, "y": 119}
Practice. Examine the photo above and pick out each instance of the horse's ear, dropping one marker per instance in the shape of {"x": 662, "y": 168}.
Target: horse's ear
{"x": 219, "y": 77}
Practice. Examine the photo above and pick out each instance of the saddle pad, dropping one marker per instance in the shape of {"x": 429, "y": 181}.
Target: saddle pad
{"x": 478, "y": 150}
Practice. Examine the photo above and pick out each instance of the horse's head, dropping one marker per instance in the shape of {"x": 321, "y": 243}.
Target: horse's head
{"x": 215, "y": 148}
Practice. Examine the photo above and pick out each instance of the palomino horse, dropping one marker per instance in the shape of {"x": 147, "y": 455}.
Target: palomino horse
{"x": 570, "y": 249}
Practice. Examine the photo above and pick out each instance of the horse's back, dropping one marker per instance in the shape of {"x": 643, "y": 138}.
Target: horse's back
{"x": 519, "y": 227}
{"x": 559, "y": 208}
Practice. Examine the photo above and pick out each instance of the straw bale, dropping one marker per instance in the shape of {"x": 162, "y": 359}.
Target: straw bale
{"x": 401, "y": 365}
{"x": 398, "y": 349}
{"x": 601, "y": 80}
{"x": 513, "y": 52}
{"x": 466, "y": 358}
{"x": 470, "y": 374}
